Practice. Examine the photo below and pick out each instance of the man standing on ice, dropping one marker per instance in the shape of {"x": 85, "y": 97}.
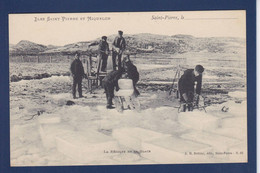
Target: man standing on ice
{"x": 118, "y": 48}
{"x": 103, "y": 49}
{"x": 77, "y": 72}
{"x": 110, "y": 82}
{"x": 186, "y": 86}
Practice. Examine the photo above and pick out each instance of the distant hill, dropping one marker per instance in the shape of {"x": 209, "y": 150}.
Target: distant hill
{"x": 27, "y": 47}
{"x": 52, "y": 47}
{"x": 140, "y": 43}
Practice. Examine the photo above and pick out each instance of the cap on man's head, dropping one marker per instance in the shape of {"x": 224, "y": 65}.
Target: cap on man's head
{"x": 104, "y": 37}
{"x": 77, "y": 53}
{"x": 120, "y": 32}
{"x": 199, "y": 68}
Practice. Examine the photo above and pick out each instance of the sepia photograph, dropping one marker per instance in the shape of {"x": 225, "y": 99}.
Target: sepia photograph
{"x": 128, "y": 88}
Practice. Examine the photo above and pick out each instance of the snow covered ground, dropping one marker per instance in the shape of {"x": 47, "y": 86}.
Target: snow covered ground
{"x": 45, "y": 131}
{"x": 88, "y": 134}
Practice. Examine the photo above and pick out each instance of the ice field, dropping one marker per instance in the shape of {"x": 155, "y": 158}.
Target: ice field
{"x": 88, "y": 134}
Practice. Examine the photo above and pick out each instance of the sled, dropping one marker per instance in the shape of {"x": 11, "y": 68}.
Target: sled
{"x": 198, "y": 103}
{"x": 125, "y": 98}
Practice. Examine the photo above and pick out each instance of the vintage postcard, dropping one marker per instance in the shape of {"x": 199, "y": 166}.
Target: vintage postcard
{"x": 128, "y": 88}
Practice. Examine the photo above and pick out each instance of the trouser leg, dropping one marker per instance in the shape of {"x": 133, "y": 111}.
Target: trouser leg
{"x": 186, "y": 100}
{"x": 106, "y": 91}
{"x": 190, "y": 100}
{"x": 99, "y": 58}
{"x": 183, "y": 107}
{"x": 80, "y": 86}
{"x": 183, "y": 103}
{"x": 119, "y": 61}
{"x": 190, "y": 106}
{"x": 107, "y": 96}
{"x": 114, "y": 54}
{"x": 109, "y": 101}
{"x": 110, "y": 95}
{"x": 104, "y": 62}
{"x": 136, "y": 92}
{"x": 74, "y": 87}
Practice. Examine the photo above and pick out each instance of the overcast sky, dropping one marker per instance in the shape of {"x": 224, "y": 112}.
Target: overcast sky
{"x": 37, "y": 28}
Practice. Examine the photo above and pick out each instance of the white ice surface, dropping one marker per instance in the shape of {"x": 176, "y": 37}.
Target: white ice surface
{"x": 198, "y": 120}
{"x": 238, "y": 94}
{"x": 34, "y": 147}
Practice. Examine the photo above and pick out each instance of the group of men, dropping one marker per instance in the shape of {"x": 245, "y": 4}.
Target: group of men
{"x": 118, "y": 47}
{"x": 110, "y": 82}
{"x": 186, "y": 83}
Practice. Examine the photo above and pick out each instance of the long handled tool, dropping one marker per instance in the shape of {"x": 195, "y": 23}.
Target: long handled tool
{"x": 176, "y": 79}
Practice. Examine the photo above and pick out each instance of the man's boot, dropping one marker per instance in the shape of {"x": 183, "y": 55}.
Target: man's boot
{"x": 109, "y": 103}
{"x": 80, "y": 90}
{"x": 183, "y": 107}
{"x": 110, "y": 107}
{"x": 190, "y": 107}
{"x": 74, "y": 92}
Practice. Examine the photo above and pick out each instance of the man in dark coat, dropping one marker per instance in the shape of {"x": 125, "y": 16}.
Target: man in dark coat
{"x": 103, "y": 49}
{"x": 118, "y": 48}
{"x": 110, "y": 82}
{"x": 77, "y": 72}
{"x": 132, "y": 73}
{"x": 186, "y": 86}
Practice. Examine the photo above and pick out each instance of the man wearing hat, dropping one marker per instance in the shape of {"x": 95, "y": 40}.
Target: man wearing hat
{"x": 77, "y": 72}
{"x": 186, "y": 86}
{"x": 118, "y": 48}
{"x": 110, "y": 83}
{"x": 103, "y": 49}
{"x": 131, "y": 72}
